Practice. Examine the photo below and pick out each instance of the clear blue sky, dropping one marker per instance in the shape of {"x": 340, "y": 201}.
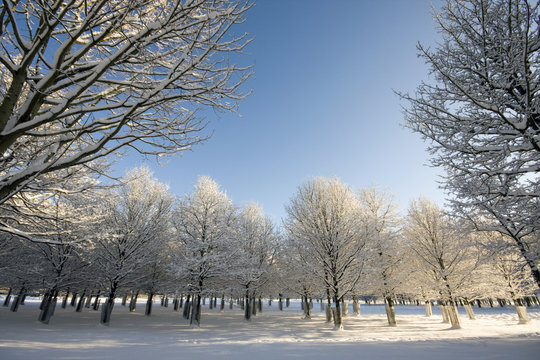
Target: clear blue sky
{"x": 323, "y": 105}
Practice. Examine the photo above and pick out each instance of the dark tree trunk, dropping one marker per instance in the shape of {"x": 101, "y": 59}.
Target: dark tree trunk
{"x": 196, "y": 312}
{"x": 124, "y": 299}
{"x": 81, "y": 302}
{"x": 8, "y": 297}
{"x": 89, "y": 300}
{"x": 222, "y": 305}
{"x": 17, "y": 301}
{"x": 247, "y": 307}
{"x": 148, "y": 310}
{"x": 187, "y": 306}
{"x": 107, "y": 309}
{"x": 65, "y": 299}
{"x": 280, "y": 303}
{"x": 49, "y": 303}
{"x": 390, "y": 312}
{"x": 287, "y": 302}
{"x": 73, "y": 299}
{"x": 133, "y": 302}
{"x": 96, "y": 302}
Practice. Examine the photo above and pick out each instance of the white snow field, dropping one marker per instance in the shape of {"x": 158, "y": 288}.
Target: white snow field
{"x": 269, "y": 335}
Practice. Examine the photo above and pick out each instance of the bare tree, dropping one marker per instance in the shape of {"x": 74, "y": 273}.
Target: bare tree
{"x": 82, "y": 79}
{"x": 481, "y": 112}
{"x": 323, "y": 219}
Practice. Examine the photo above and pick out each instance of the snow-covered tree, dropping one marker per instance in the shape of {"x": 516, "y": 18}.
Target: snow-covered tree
{"x": 508, "y": 276}
{"x": 204, "y": 223}
{"x": 386, "y": 271}
{"x": 82, "y": 79}
{"x": 481, "y": 112}
{"x": 130, "y": 236}
{"x": 443, "y": 251}
{"x": 323, "y": 219}
{"x": 256, "y": 249}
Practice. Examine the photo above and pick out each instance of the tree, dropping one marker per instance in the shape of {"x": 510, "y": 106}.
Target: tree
{"x": 256, "y": 246}
{"x": 204, "y": 225}
{"x": 442, "y": 250}
{"x": 128, "y": 240}
{"x": 481, "y": 112}
{"x": 386, "y": 270}
{"x": 323, "y": 219}
{"x": 82, "y": 79}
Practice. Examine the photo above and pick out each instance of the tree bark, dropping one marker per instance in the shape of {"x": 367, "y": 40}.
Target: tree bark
{"x": 8, "y": 297}
{"x": 280, "y": 303}
{"x": 196, "y": 312}
{"x": 18, "y": 300}
{"x": 106, "y": 311}
{"x": 344, "y": 308}
{"x": 521, "y": 311}
{"x": 133, "y": 301}
{"x": 468, "y": 308}
{"x": 149, "y": 301}
{"x": 187, "y": 306}
{"x": 49, "y": 303}
{"x": 390, "y": 311}
{"x": 356, "y": 306}
{"x": 427, "y": 304}
{"x": 96, "y": 301}
{"x": 81, "y": 302}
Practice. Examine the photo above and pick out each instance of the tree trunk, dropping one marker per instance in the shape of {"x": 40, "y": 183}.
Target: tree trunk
{"x": 124, "y": 299}
{"x": 73, "y": 299}
{"x": 107, "y": 309}
{"x": 521, "y": 311}
{"x": 338, "y": 320}
{"x": 307, "y": 308}
{"x": 287, "y": 302}
{"x": 356, "y": 306}
{"x": 344, "y": 308}
{"x": 196, "y": 312}
{"x": 390, "y": 311}
{"x": 88, "y": 300}
{"x": 133, "y": 301}
{"x": 444, "y": 313}
{"x": 468, "y": 308}
{"x": 453, "y": 314}
{"x": 175, "y": 304}
{"x": 260, "y": 305}
{"x": 222, "y": 305}
{"x": 253, "y": 306}
{"x": 65, "y": 299}
{"x": 149, "y": 301}
{"x": 280, "y": 303}
{"x": 8, "y": 297}
{"x": 247, "y": 307}
{"x": 187, "y": 305}
{"x": 427, "y": 304}
{"x": 17, "y": 301}
{"x": 49, "y": 303}
{"x": 96, "y": 301}
{"x": 81, "y": 302}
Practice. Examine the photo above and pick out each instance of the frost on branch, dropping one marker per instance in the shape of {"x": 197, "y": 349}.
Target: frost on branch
{"x": 82, "y": 79}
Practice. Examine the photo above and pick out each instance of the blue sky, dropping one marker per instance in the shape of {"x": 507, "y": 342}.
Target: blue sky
{"x": 322, "y": 105}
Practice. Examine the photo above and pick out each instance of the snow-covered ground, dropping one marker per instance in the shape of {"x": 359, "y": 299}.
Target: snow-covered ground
{"x": 270, "y": 335}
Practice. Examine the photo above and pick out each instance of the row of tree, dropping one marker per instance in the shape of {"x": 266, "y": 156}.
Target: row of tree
{"x": 336, "y": 244}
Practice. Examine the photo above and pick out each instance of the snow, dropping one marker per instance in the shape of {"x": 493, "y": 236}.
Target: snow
{"x": 270, "y": 335}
